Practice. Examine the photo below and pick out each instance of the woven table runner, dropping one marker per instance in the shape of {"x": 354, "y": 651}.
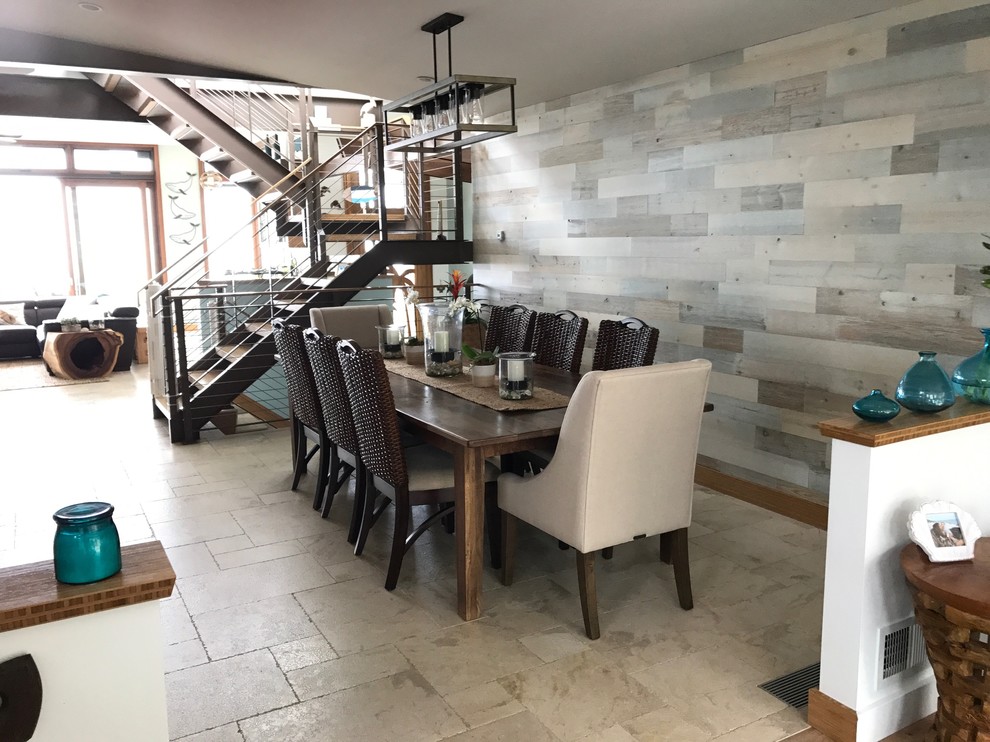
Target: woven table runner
{"x": 461, "y": 386}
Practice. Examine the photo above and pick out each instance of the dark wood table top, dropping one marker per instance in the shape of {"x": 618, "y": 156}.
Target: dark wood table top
{"x": 473, "y": 425}
{"x": 962, "y": 585}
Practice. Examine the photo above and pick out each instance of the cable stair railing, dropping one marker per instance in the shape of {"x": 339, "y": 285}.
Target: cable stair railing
{"x": 318, "y": 243}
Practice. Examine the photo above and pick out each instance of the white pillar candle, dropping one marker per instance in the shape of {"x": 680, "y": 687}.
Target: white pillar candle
{"x": 441, "y": 341}
{"x": 515, "y": 370}
{"x": 392, "y": 336}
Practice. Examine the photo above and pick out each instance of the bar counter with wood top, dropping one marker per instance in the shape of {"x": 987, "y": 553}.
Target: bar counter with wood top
{"x": 880, "y": 474}
{"x": 98, "y": 647}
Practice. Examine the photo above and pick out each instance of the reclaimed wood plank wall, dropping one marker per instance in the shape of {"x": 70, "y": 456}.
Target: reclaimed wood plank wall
{"x": 804, "y": 213}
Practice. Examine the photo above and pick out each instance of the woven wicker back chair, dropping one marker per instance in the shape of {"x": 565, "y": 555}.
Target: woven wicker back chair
{"x": 426, "y": 478}
{"x": 625, "y": 343}
{"x": 510, "y": 329}
{"x": 339, "y": 420}
{"x": 307, "y": 414}
{"x": 558, "y": 340}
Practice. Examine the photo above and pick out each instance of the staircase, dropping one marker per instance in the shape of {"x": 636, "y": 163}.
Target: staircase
{"x": 210, "y": 332}
{"x": 213, "y": 133}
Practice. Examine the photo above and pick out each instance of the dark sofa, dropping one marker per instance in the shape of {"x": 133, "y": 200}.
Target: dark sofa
{"x": 23, "y": 341}
{"x": 28, "y": 341}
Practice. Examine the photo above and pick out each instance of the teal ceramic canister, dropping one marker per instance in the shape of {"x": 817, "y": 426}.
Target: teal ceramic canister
{"x": 87, "y": 545}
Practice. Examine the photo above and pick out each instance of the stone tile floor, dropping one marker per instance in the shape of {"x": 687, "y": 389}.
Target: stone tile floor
{"x": 277, "y": 632}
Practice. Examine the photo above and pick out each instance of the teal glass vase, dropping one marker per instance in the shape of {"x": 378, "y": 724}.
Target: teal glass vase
{"x": 971, "y": 379}
{"x": 875, "y": 407}
{"x": 87, "y": 545}
{"x": 925, "y": 387}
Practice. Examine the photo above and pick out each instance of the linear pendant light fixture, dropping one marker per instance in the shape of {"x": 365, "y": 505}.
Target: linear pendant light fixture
{"x": 448, "y": 113}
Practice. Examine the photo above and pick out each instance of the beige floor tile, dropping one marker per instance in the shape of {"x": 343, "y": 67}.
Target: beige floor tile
{"x": 483, "y": 704}
{"x": 177, "y": 508}
{"x": 208, "y": 487}
{"x": 283, "y": 521}
{"x": 698, "y": 673}
{"x": 665, "y": 724}
{"x": 257, "y": 554}
{"x": 556, "y": 643}
{"x": 230, "y": 587}
{"x": 727, "y": 709}
{"x": 359, "y": 615}
{"x": 403, "y": 706}
{"x": 347, "y": 672}
{"x": 302, "y": 653}
{"x": 739, "y": 545}
{"x": 220, "y": 692}
{"x": 249, "y": 626}
{"x": 521, "y": 726}
{"x": 231, "y": 543}
{"x": 191, "y": 560}
{"x": 614, "y": 733}
{"x": 226, "y": 733}
{"x": 776, "y": 726}
{"x": 177, "y": 625}
{"x": 580, "y": 695}
{"x": 467, "y": 655}
{"x": 184, "y": 654}
{"x": 195, "y": 530}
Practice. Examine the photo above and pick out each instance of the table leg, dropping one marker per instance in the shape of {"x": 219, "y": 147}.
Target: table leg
{"x": 469, "y": 494}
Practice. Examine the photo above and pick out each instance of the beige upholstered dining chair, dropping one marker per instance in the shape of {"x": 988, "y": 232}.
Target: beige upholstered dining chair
{"x": 355, "y": 323}
{"x": 623, "y": 470}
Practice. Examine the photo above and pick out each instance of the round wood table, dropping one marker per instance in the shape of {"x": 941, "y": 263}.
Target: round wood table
{"x": 952, "y": 604}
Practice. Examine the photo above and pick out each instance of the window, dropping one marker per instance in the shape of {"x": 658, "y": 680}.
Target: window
{"x": 19, "y": 157}
{"x": 114, "y": 160}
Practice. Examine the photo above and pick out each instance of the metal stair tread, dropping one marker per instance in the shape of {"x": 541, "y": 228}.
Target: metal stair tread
{"x": 233, "y": 352}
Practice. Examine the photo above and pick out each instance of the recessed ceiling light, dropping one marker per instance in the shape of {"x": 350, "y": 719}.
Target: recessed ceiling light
{"x": 425, "y": 78}
{"x": 91, "y": 7}
{"x": 9, "y": 138}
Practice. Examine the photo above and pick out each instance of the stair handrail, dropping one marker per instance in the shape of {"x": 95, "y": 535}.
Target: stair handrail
{"x": 191, "y": 250}
{"x": 268, "y": 207}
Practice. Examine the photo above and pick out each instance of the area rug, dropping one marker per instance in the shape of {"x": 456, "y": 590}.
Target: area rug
{"x": 30, "y": 373}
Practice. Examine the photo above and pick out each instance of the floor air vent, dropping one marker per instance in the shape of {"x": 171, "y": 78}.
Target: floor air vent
{"x": 793, "y": 687}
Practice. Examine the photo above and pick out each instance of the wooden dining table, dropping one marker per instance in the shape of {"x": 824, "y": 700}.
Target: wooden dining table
{"x": 471, "y": 433}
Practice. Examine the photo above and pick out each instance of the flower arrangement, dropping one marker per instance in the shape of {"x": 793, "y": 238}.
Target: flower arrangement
{"x": 457, "y": 284}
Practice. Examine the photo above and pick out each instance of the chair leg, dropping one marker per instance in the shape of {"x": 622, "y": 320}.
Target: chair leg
{"x": 682, "y": 569}
{"x": 493, "y": 520}
{"x": 607, "y": 552}
{"x": 666, "y": 541}
{"x": 323, "y": 473}
{"x": 334, "y": 482}
{"x": 358, "y": 510}
{"x": 299, "y": 460}
{"x": 402, "y": 513}
{"x": 589, "y": 594}
{"x": 448, "y": 523}
{"x": 508, "y": 547}
{"x": 367, "y": 511}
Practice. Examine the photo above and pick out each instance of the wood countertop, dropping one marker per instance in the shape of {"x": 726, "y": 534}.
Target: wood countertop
{"x": 906, "y": 426}
{"x": 30, "y": 595}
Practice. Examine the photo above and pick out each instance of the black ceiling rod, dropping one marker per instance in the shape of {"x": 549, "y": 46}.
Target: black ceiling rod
{"x": 438, "y": 25}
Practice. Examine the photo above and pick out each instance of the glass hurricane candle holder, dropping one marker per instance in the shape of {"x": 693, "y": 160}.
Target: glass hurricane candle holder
{"x": 442, "y": 337}
{"x": 515, "y": 375}
{"x": 390, "y": 340}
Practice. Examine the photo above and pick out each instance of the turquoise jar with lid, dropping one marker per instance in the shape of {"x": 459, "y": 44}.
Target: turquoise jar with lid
{"x": 87, "y": 545}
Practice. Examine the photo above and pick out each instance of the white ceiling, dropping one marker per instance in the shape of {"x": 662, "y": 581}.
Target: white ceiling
{"x": 554, "y": 48}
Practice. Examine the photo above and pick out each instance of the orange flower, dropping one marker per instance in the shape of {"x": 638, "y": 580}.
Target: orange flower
{"x": 457, "y": 282}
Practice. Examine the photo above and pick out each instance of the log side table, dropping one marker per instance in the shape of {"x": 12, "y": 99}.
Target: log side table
{"x": 952, "y": 605}
{"x": 86, "y": 354}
